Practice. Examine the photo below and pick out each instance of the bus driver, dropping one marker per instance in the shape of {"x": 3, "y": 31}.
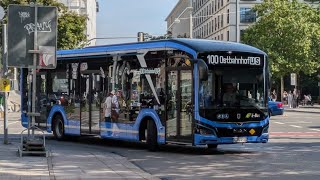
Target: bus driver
{"x": 229, "y": 96}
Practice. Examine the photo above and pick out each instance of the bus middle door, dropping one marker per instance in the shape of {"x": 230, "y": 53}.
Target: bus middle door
{"x": 90, "y": 103}
{"x": 179, "y": 97}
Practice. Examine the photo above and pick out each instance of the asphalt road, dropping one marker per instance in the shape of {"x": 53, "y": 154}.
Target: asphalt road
{"x": 293, "y": 152}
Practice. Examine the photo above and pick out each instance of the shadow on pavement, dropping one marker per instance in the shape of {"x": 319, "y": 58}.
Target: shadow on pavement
{"x": 142, "y": 146}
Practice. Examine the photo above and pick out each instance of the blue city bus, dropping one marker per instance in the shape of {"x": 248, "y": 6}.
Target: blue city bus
{"x": 168, "y": 92}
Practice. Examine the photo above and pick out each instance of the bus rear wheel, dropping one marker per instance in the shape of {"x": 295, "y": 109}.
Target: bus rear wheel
{"x": 152, "y": 137}
{"x": 58, "y": 128}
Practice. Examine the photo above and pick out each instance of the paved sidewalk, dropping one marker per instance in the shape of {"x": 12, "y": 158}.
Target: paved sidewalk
{"x": 310, "y": 109}
{"x": 66, "y": 160}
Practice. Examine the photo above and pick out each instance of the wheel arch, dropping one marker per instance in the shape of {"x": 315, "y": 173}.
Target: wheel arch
{"x": 56, "y": 110}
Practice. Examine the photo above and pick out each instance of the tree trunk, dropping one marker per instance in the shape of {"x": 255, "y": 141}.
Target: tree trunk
{"x": 281, "y": 89}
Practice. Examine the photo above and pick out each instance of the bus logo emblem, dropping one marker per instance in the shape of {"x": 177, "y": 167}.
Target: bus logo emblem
{"x": 238, "y": 116}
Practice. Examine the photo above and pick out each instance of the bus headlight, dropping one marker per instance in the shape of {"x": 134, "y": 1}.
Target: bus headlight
{"x": 265, "y": 129}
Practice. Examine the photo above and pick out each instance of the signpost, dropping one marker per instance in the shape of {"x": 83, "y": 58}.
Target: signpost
{"x": 4, "y": 71}
{"x": 293, "y": 79}
{"x": 32, "y": 34}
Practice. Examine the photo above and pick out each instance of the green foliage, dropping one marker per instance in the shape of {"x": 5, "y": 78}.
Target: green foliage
{"x": 71, "y": 26}
{"x": 289, "y": 32}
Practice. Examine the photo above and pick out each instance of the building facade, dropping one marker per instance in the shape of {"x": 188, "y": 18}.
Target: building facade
{"x": 178, "y": 21}
{"x": 222, "y": 20}
{"x": 89, "y": 8}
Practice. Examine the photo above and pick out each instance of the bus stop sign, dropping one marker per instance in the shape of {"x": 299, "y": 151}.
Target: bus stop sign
{"x": 21, "y": 28}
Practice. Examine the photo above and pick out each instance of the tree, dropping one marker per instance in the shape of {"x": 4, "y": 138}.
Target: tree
{"x": 71, "y": 26}
{"x": 289, "y": 32}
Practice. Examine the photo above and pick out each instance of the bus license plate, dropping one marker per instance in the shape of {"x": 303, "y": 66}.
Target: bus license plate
{"x": 239, "y": 139}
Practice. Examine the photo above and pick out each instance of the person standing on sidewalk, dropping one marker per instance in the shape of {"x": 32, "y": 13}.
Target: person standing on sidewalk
{"x": 290, "y": 98}
{"x": 274, "y": 95}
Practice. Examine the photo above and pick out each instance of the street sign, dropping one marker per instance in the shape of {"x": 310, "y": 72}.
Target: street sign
{"x": 21, "y": 28}
{"x": 4, "y": 85}
{"x": 293, "y": 79}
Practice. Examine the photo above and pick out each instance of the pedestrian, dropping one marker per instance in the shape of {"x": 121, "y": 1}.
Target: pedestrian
{"x": 274, "y": 95}
{"x": 115, "y": 102}
{"x": 108, "y": 107}
{"x": 290, "y": 98}
{"x": 295, "y": 98}
{"x": 285, "y": 97}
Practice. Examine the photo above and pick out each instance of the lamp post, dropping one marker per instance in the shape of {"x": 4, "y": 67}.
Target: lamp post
{"x": 123, "y": 37}
{"x": 177, "y": 20}
{"x": 237, "y": 22}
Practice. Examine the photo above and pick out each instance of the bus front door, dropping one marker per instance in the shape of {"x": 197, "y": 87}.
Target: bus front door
{"x": 179, "y": 98}
{"x": 90, "y": 104}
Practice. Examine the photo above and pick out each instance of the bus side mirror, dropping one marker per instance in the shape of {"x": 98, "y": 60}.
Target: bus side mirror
{"x": 203, "y": 70}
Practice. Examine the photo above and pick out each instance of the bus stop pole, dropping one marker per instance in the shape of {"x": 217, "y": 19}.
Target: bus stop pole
{"x": 5, "y": 107}
{"x": 34, "y": 69}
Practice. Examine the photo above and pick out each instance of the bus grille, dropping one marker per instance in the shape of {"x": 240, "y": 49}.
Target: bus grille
{"x": 225, "y": 132}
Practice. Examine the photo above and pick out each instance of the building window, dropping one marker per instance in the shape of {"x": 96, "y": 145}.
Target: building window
{"x": 247, "y": 15}
{"x": 212, "y": 8}
{"x": 205, "y": 30}
{"x": 228, "y": 16}
{"x": 221, "y": 37}
{"x": 242, "y": 31}
{"x": 221, "y": 3}
{"x": 215, "y": 24}
{"x": 212, "y": 25}
{"x": 218, "y": 22}
{"x": 221, "y": 20}
{"x": 215, "y": 5}
{"x": 228, "y": 36}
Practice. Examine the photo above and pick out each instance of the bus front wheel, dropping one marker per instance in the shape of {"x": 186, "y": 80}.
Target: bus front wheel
{"x": 152, "y": 138}
{"x": 58, "y": 128}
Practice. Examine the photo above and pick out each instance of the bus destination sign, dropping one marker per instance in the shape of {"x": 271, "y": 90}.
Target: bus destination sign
{"x": 218, "y": 59}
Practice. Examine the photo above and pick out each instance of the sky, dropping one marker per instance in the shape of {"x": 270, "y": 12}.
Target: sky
{"x": 125, "y": 18}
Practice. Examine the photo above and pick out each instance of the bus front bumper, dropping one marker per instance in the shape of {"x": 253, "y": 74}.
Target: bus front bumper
{"x": 200, "y": 139}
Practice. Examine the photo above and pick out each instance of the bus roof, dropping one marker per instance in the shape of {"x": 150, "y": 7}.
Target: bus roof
{"x": 192, "y": 46}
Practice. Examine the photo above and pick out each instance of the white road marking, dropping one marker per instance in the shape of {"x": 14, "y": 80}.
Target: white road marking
{"x": 300, "y": 122}
{"x": 315, "y": 129}
{"x": 295, "y": 126}
{"x": 278, "y": 122}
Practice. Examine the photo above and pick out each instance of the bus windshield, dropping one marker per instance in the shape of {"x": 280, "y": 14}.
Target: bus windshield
{"x": 231, "y": 89}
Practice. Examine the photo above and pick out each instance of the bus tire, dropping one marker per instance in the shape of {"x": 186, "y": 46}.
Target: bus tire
{"x": 212, "y": 146}
{"x": 152, "y": 137}
{"x": 58, "y": 128}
